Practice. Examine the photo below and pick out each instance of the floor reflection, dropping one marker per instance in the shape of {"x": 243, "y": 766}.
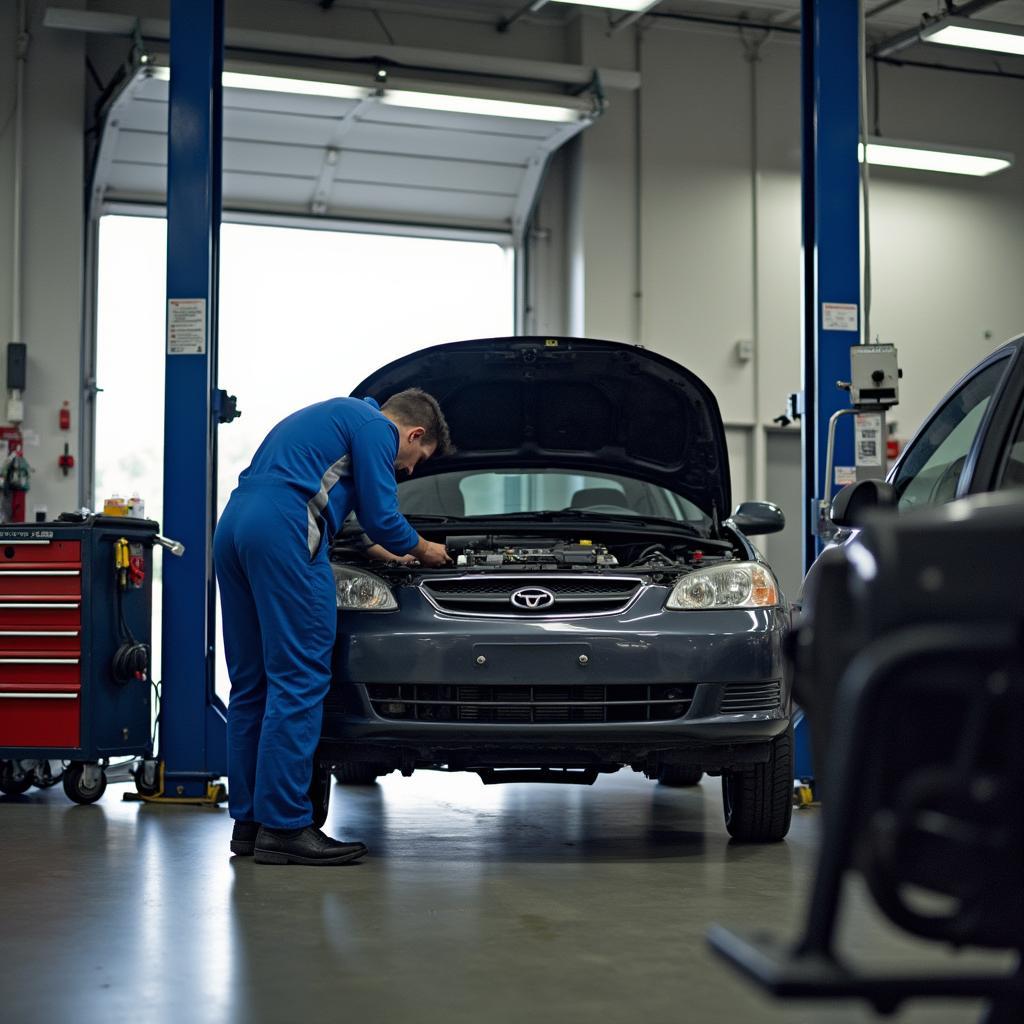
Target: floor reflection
{"x": 493, "y": 903}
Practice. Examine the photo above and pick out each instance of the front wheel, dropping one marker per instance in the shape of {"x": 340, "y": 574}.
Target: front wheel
{"x": 758, "y": 798}
{"x": 12, "y": 784}
{"x": 83, "y": 787}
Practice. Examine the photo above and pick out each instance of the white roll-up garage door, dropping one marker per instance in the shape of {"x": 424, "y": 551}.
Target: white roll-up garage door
{"x": 365, "y": 147}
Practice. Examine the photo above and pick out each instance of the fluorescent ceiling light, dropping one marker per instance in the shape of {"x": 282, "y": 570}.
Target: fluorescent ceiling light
{"x": 615, "y": 5}
{"x": 269, "y": 83}
{"x": 292, "y": 86}
{"x": 921, "y": 157}
{"x": 977, "y": 35}
{"x": 478, "y": 105}
{"x": 450, "y": 102}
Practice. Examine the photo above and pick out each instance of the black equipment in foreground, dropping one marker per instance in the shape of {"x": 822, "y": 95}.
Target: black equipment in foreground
{"x": 925, "y": 759}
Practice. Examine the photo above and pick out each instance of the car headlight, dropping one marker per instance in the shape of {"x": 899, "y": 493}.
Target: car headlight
{"x": 360, "y": 591}
{"x": 737, "y": 585}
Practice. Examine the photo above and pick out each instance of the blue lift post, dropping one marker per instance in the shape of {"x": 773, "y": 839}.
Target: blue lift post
{"x": 192, "y": 718}
{"x": 830, "y": 77}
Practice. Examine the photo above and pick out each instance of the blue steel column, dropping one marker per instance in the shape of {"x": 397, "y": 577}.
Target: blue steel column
{"x": 830, "y": 80}
{"x": 831, "y": 234}
{"x": 192, "y": 737}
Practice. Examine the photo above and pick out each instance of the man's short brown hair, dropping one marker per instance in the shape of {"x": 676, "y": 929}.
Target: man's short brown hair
{"x": 415, "y": 408}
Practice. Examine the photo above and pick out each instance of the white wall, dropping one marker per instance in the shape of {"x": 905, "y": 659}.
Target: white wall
{"x": 946, "y": 250}
{"x": 947, "y": 253}
{"x": 52, "y": 231}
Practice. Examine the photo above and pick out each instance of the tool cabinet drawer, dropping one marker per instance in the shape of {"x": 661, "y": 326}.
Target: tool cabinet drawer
{"x": 39, "y": 669}
{"x": 52, "y": 641}
{"x": 29, "y": 583}
{"x": 37, "y": 716}
{"x": 40, "y": 614}
{"x": 21, "y": 551}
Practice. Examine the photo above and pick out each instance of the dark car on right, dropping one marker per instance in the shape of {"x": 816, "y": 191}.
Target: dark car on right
{"x": 971, "y": 443}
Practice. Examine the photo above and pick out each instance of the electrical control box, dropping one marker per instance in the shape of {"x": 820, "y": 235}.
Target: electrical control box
{"x": 875, "y": 376}
{"x": 67, "y": 610}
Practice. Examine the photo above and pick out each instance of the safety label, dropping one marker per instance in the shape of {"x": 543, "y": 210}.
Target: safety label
{"x": 186, "y": 327}
{"x": 845, "y": 475}
{"x": 868, "y": 439}
{"x": 839, "y": 316}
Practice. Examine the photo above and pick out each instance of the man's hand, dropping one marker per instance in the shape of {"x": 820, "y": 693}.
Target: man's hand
{"x": 375, "y": 553}
{"x": 430, "y": 554}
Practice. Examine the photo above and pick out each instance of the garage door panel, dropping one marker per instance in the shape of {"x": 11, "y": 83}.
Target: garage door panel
{"x": 147, "y": 182}
{"x": 147, "y": 147}
{"x": 371, "y": 136}
{"x": 244, "y": 190}
{"x": 290, "y": 129}
{"x": 418, "y": 203}
{"x": 143, "y": 115}
{"x": 471, "y": 123}
{"x": 425, "y": 171}
{"x": 271, "y": 159}
{"x": 393, "y": 162}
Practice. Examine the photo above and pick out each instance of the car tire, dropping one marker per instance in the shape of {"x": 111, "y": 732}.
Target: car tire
{"x": 758, "y": 798}
{"x": 10, "y": 784}
{"x": 356, "y": 773}
{"x": 678, "y": 776}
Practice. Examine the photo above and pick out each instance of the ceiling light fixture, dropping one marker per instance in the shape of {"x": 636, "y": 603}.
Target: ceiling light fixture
{"x": 478, "y": 105}
{"x": 538, "y": 110}
{"x": 919, "y": 156}
{"x": 638, "y": 6}
{"x": 976, "y": 35}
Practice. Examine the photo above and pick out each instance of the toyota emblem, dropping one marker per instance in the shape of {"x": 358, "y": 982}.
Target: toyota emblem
{"x": 532, "y": 599}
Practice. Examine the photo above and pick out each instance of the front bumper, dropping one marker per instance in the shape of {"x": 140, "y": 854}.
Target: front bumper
{"x": 646, "y": 647}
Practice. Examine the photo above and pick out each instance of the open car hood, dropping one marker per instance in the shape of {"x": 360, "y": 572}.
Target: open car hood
{"x": 570, "y": 403}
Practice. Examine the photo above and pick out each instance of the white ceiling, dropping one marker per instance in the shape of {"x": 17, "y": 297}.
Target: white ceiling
{"x": 883, "y": 16}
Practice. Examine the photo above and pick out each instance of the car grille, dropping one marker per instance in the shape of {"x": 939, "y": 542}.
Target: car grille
{"x": 740, "y": 697}
{"x": 491, "y": 596}
{"x": 531, "y": 705}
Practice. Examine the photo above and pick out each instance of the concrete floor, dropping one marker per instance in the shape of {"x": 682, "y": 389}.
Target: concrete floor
{"x": 498, "y": 904}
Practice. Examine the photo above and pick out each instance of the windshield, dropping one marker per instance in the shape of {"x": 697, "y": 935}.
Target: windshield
{"x": 489, "y": 493}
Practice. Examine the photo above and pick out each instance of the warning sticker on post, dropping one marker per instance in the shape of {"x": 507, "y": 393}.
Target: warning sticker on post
{"x": 839, "y": 316}
{"x": 186, "y": 327}
{"x": 868, "y": 439}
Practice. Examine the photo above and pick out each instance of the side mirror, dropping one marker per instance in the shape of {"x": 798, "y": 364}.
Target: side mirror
{"x": 752, "y": 517}
{"x": 850, "y": 504}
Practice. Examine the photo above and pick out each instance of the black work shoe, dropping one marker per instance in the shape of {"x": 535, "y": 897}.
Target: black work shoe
{"x": 243, "y": 837}
{"x": 304, "y": 846}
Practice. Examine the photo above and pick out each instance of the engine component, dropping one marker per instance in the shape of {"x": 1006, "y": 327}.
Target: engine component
{"x": 492, "y": 550}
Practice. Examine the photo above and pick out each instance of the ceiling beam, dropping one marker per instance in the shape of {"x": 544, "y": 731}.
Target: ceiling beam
{"x": 484, "y": 65}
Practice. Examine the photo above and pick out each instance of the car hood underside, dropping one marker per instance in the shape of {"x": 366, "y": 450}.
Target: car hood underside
{"x": 571, "y": 403}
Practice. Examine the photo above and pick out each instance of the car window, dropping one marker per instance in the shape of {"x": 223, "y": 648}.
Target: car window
{"x": 490, "y": 492}
{"x": 1013, "y": 471}
{"x": 931, "y": 470}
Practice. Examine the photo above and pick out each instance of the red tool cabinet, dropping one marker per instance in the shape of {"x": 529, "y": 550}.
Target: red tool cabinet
{"x": 63, "y": 617}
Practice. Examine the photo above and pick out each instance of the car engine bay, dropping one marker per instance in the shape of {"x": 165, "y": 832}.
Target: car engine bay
{"x": 657, "y": 552}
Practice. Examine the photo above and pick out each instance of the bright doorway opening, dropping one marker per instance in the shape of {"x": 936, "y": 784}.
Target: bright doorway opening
{"x": 304, "y": 315}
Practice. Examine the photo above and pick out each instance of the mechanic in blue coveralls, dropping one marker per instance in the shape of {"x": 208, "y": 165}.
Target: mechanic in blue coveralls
{"x": 279, "y": 601}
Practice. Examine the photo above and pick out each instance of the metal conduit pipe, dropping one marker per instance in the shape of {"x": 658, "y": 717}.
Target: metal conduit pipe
{"x": 759, "y": 448}
{"x": 21, "y": 54}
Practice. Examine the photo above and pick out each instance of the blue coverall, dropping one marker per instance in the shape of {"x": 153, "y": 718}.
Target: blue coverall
{"x": 278, "y": 596}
